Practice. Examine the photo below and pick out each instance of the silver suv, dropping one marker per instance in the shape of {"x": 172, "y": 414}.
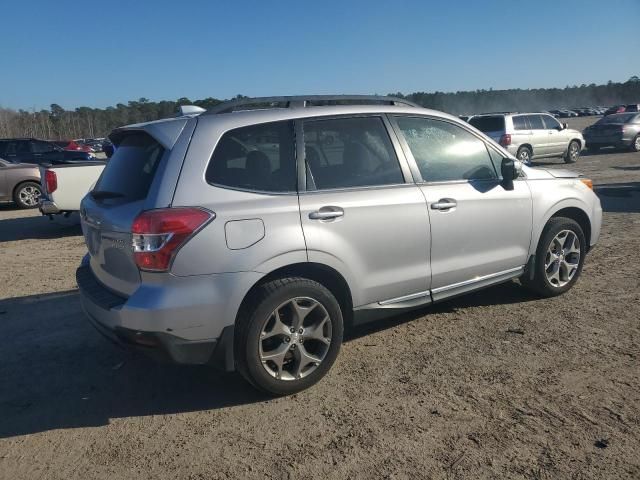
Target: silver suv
{"x": 249, "y": 238}
{"x": 531, "y": 135}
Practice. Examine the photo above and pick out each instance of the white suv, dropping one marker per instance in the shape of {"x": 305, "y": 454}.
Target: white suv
{"x": 531, "y": 135}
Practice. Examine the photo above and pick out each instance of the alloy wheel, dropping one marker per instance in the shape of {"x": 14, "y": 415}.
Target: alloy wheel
{"x": 29, "y": 195}
{"x": 562, "y": 258}
{"x": 295, "y": 338}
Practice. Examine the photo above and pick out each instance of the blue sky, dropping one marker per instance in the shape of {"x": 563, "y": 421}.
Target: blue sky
{"x": 101, "y": 53}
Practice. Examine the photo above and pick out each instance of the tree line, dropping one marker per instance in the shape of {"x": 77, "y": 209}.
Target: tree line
{"x": 87, "y": 122}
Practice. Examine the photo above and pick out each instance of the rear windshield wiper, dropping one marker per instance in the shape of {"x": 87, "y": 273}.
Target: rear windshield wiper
{"x": 102, "y": 194}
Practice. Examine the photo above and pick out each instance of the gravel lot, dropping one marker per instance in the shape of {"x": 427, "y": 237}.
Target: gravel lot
{"x": 495, "y": 384}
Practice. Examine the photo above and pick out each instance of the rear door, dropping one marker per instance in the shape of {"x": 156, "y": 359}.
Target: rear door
{"x": 361, "y": 212}
{"x": 558, "y": 139}
{"x": 539, "y": 136}
{"x": 45, "y": 152}
{"x": 108, "y": 211}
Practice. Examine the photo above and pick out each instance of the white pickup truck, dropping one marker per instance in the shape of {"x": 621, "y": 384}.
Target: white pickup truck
{"x": 65, "y": 185}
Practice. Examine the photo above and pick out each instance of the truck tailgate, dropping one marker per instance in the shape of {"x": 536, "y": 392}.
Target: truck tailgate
{"x": 73, "y": 182}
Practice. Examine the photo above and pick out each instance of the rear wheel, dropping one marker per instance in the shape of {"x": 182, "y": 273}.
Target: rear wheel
{"x": 27, "y": 195}
{"x": 559, "y": 258}
{"x": 288, "y": 335}
{"x": 635, "y": 144}
{"x": 524, "y": 155}
{"x": 573, "y": 152}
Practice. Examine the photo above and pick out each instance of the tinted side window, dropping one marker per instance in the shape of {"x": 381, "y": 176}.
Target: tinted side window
{"x": 41, "y": 147}
{"x": 350, "y": 152}
{"x": 257, "y": 157}
{"x": 488, "y": 123}
{"x": 446, "y": 152}
{"x": 520, "y": 123}
{"x": 536, "y": 122}
{"x": 3, "y": 148}
{"x": 131, "y": 169}
{"x": 551, "y": 123}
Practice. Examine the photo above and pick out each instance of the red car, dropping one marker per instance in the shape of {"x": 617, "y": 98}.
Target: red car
{"x": 615, "y": 109}
{"x": 73, "y": 146}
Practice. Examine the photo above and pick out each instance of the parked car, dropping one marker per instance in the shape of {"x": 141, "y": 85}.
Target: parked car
{"x": 615, "y": 109}
{"x": 64, "y": 186}
{"x": 19, "y": 183}
{"x": 257, "y": 260}
{"x": 32, "y": 150}
{"x": 73, "y": 145}
{"x": 621, "y": 130}
{"x": 532, "y": 135}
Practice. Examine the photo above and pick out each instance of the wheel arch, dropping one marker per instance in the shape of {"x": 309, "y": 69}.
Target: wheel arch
{"x": 327, "y": 276}
{"x": 17, "y": 186}
{"x": 525, "y": 145}
{"x": 575, "y": 213}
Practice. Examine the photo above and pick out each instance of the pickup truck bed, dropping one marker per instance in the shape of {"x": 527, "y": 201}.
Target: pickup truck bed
{"x": 64, "y": 186}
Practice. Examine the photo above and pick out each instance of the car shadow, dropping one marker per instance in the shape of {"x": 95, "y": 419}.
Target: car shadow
{"x": 58, "y": 372}
{"x": 619, "y": 197}
{"x": 503, "y": 294}
{"x": 40, "y": 227}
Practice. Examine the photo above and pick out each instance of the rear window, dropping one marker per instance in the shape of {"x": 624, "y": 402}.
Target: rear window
{"x": 131, "y": 169}
{"x": 258, "y": 157}
{"x": 488, "y": 124}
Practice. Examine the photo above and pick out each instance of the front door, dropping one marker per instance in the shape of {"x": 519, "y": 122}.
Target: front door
{"x": 361, "y": 213}
{"x": 480, "y": 232}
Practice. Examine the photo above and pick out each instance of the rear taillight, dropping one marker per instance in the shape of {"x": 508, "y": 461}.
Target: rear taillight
{"x": 51, "y": 180}
{"x": 157, "y": 235}
{"x": 505, "y": 140}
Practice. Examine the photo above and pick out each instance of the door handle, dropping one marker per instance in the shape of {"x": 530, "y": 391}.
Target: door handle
{"x": 327, "y": 213}
{"x": 444, "y": 204}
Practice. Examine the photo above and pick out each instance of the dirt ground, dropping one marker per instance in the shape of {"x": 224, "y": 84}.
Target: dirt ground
{"x": 497, "y": 384}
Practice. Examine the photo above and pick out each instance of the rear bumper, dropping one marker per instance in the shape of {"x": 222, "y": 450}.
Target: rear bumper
{"x": 47, "y": 207}
{"x": 107, "y": 312}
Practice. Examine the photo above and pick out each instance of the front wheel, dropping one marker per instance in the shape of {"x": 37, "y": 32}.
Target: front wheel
{"x": 27, "y": 195}
{"x": 635, "y": 144}
{"x": 288, "y": 335}
{"x": 573, "y": 152}
{"x": 559, "y": 258}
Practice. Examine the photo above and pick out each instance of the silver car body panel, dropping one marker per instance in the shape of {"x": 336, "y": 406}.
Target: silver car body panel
{"x": 390, "y": 247}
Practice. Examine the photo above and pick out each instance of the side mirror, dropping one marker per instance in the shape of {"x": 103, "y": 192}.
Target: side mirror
{"x": 108, "y": 150}
{"x": 564, "y": 126}
{"x": 509, "y": 173}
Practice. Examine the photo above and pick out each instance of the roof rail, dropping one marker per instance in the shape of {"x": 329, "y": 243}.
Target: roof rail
{"x": 302, "y": 101}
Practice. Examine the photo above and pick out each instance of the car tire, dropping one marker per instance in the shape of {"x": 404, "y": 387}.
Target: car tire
{"x": 557, "y": 265}
{"x": 635, "y": 144}
{"x": 573, "y": 152}
{"x": 288, "y": 335}
{"x": 27, "y": 194}
{"x": 524, "y": 154}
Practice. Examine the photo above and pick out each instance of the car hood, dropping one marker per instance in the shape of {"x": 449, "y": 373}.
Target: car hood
{"x": 548, "y": 173}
